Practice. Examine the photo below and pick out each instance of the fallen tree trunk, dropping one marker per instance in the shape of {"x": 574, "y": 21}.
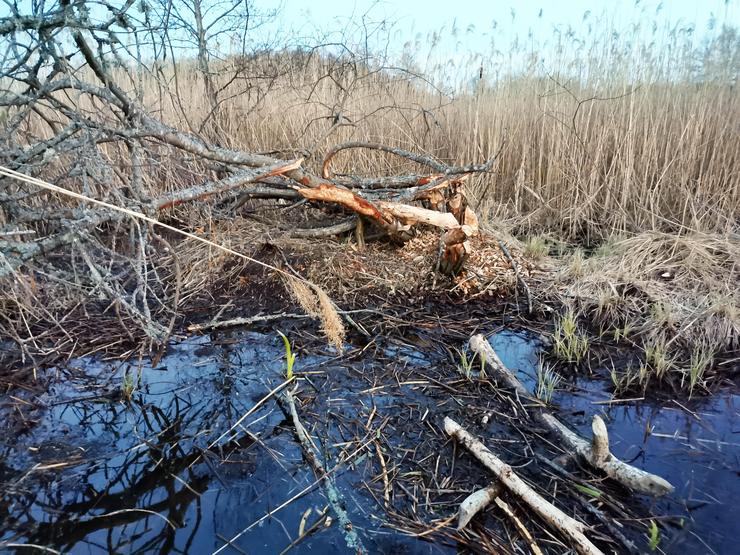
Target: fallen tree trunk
{"x": 460, "y": 224}
{"x": 441, "y": 189}
{"x": 554, "y": 517}
{"x": 596, "y": 453}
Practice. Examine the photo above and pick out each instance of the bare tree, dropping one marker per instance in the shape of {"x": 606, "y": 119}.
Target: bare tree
{"x": 209, "y": 31}
{"x": 75, "y": 113}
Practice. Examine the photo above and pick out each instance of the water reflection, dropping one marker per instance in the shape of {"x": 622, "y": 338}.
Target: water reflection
{"x": 97, "y": 474}
{"x": 133, "y": 476}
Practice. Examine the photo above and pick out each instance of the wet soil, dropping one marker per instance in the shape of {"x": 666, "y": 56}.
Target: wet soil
{"x": 179, "y": 468}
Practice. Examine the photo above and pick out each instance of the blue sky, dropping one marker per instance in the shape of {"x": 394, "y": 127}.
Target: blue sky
{"x": 481, "y": 26}
{"x": 430, "y": 14}
{"x": 417, "y": 18}
{"x": 487, "y": 29}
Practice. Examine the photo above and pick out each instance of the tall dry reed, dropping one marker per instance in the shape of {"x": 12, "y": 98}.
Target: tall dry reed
{"x": 614, "y": 136}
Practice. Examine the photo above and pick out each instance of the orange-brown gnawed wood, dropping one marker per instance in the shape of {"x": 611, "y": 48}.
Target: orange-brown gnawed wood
{"x": 413, "y": 214}
{"x": 456, "y": 249}
{"x": 435, "y": 198}
{"x": 458, "y": 206}
{"x": 331, "y": 193}
{"x": 433, "y": 192}
{"x": 471, "y": 220}
{"x": 454, "y": 236}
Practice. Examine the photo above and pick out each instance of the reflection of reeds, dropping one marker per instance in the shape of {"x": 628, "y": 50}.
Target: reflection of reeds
{"x": 137, "y": 476}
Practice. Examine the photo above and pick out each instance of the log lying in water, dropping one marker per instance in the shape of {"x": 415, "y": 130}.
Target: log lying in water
{"x": 596, "y": 453}
{"x": 554, "y": 517}
{"x": 475, "y": 503}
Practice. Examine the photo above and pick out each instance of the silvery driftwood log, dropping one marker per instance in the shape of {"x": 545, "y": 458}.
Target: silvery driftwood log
{"x": 596, "y": 453}
{"x": 554, "y": 517}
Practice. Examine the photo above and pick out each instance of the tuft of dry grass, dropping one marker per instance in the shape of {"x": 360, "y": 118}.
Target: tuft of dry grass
{"x": 536, "y": 247}
{"x": 303, "y": 294}
{"x": 315, "y": 302}
{"x": 331, "y": 322}
{"x": 676, "y": 295}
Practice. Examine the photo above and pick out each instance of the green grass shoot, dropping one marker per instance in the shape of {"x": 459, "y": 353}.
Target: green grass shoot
{"x": 289, "y": 356}
{"x": 654, "y": 536}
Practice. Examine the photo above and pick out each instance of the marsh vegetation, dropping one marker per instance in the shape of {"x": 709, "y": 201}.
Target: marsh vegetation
{"x": 378, "y": 208}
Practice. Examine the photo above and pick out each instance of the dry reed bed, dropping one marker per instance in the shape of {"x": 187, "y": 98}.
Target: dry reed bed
{"x": 654, "y": 158}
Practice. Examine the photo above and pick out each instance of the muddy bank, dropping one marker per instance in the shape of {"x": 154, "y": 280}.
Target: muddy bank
{"x": 201, "y": 459}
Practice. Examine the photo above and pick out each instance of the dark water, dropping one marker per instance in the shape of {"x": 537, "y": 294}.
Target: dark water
{"x": 696, "y": 448}
{"x": 98, "y": 475}
{"x": 94, "y": 474}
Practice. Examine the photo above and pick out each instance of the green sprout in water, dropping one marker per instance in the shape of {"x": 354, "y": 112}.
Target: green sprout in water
{"x": 656, "y": 355}
{"x": 465, "y": 366}
{"x": 623, "y": 333}
{"x": 624, "y": 380}
{"x": 702, "y": 356}
{"x": 654, "y": 536}
{"x": 547, "y": 382}
{"x": 128, "y": 386}
{"x": 568, "y": 343}
{"x": 289, "y": 356}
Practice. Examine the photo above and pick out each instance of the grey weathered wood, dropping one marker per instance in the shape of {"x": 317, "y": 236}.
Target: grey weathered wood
{"x": 596, "y": 453}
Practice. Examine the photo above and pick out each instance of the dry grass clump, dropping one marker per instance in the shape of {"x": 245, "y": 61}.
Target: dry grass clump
{"x": 350, "y": 275}
{"x": 676, "y": 296}
{"x": 331, "y": 323}
{"x": 536, "y": 247}
{"x": 303, "y": 294}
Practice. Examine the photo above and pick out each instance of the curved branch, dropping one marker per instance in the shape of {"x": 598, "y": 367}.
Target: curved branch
{"x": 428, "y": 161}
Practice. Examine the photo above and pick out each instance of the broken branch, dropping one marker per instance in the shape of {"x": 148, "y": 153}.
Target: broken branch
{"x": 554, "y": 517}
{"x": 595, "y": 453}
